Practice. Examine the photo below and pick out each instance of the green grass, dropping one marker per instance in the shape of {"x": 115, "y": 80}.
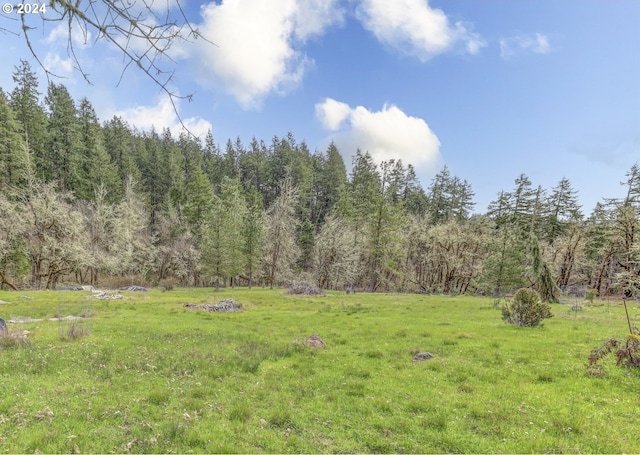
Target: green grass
{"x": 147, "y": 375}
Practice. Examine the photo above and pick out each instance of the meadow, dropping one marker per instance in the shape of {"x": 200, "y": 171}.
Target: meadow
{"x": 145, "y": 374}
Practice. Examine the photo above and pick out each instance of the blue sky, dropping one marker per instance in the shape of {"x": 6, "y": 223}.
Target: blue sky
{"x": 490, "y": 88}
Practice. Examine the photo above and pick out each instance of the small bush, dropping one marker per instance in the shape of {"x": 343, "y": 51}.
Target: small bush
{"x": 591, "y": 295}
{"x": 627, "y": 351}
{"x": 526, "y": 309}
{"x": 75, "y": 331}
{"x": 13, "y": 338}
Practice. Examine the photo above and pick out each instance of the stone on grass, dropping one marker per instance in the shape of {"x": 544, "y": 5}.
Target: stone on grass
{"x": 304, "y": 289}
{"x": 3, "y": 326}
{"x": 133, "y": 288}
{"x": 102, "y": 295}
{"x": 314, "y": 341}
{"x": 224, "y": 306}
{"x": 419, "y": 357}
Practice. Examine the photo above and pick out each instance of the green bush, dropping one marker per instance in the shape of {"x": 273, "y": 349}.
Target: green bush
{"x": 591, "y": 294}
{"x": 526, "y": 309}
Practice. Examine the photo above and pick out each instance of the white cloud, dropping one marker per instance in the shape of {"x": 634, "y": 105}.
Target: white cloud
{"x": 61, "y": 67}
{"x": 413, "y": 27}
{"x": 332, "y": 113}
{"x": 514, "y": 45}
{"x": 258, "y": 44}
{"x": 60, "y": 35}
{"x": 163, "y": 115}
{"x": 385, "y": 134}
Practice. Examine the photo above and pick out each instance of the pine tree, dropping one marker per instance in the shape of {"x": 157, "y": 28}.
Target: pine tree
{"x": 119, "y": 143}
{"x": 252, "y": 234}
{"x": 562, "y": 209}
{"x": 13, "y": 149}
{"x": 199, "y": 200}
{"x": 64, "y": 157}
{"x": 24, "y": 100}
{"x": 98, "y": 168}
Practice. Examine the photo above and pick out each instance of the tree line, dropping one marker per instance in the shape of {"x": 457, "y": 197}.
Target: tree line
{"x": 83, "y": 199}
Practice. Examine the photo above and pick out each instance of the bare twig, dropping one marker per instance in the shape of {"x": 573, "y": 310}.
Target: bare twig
{"x": 142, "y": 36}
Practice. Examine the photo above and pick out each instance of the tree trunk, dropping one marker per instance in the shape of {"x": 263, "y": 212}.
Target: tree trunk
{"x": 3, "y": 281}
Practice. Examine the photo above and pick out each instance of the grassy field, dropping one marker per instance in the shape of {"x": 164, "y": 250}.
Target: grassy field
{"x": 145, "y": 374}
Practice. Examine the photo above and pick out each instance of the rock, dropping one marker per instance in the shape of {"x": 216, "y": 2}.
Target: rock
{"x": 101, "y": 295}
{"x": 2, "y": 302}
{"x": 304, "y": 289}
{"x": 419, "y": 357}
{"x": 314, "y": 341}
{"x": 133, "y": 288}
{"x": 224, "y": 306}
{"x": 3, "y": 326}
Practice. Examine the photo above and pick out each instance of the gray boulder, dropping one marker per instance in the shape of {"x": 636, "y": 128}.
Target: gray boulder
{"x": 419, "y": 357}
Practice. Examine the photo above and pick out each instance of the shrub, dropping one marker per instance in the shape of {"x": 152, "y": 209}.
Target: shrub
{"x": 627, "y": 351}
{"x": 74, "y": 331}
{"x": 591, "y": 295}
{"x": 526, "y": 309}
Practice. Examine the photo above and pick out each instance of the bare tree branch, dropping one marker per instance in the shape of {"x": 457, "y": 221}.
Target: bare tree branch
{"x": 143, "y": 37}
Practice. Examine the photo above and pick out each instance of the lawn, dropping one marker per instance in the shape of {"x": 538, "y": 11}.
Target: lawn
{"x": 145, "y": 374}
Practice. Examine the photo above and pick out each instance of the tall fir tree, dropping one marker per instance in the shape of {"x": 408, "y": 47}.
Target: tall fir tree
{"x": 25, "y": 101}
{"x": 13, "y": 148}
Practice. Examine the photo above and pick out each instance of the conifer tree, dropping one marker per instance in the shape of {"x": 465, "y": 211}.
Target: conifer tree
{"x": 97, "y": 166}
{"x": 65, "y": 160}
{"x": 13, "y": 148}
{"x": 252, "y": 235}
{"x": 25, "y": 101}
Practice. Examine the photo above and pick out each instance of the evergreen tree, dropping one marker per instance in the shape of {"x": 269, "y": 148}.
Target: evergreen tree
{"x": 212, "y": 161}
{"x": 505, "y": 266}
{"x": 199, "y": 200}
{"x": 252, "y": 234}
{"x": 173, "y": 158}
{"x": 119, "y": 142}
{"x": 29, "y": 114}
{"x": 449, "y": 198}
{"x": 222, "y": 233}
{"x": 254, "y": 167}
{"x": 562, "y": 209}
{"x": 64, "y": 158}
{"x": 97, "y": 166}
{"x": 13, "y": 149}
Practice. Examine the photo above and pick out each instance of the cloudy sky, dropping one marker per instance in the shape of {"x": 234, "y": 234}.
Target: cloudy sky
{"x": 491, "y": 88}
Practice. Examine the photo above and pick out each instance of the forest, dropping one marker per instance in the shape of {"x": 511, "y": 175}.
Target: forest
{"x": 85, "y": 200}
